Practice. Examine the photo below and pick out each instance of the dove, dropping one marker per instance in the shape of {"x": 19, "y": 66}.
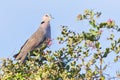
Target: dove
{"x": 40, "y": 36}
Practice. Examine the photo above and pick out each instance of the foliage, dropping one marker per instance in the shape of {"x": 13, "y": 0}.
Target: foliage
{"x": 81, "y": 58}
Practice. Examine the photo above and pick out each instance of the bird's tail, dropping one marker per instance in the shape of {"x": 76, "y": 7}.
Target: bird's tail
{"x": 15, "y": 55}
{"x": 21, "y": 56}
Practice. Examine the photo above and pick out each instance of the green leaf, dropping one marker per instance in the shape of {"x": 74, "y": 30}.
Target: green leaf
{"x": 107, "y": 51}
{"x": 68, "y": 67}
{"x": 102, "y": 25}
{"x": 119, "y": 40}
{"x": 111, "y": 37}
{"x": 98, "y": 14}
{"x": 97, "y": 44}
{"x": 93, "y": 32}
{"x": 102, "y": 78}
{"x": 96, "y": 67}
{"x": 104, "y": 68}
{"x": 93, "y": 24}
{"x": 116, "y": 59}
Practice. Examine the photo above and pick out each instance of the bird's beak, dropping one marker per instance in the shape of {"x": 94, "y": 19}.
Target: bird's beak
{"x": 51, "y": 17}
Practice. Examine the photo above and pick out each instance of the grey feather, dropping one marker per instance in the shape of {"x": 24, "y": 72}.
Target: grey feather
{"x": 42, "y": 33}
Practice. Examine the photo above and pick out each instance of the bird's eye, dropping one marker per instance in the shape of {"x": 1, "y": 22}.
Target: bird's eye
{"x": 46, "y": 15}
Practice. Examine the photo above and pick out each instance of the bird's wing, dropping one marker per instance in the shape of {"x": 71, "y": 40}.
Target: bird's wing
{"x": 32, "y": 43}
{"x": 20, "y": 49}
{"x": 23, "y": 44}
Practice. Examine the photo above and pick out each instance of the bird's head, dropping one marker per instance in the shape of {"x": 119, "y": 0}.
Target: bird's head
{"x": 47, "y": 17}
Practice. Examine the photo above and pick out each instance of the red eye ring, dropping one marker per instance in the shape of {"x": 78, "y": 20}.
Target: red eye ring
{"x": 46, "y": 15}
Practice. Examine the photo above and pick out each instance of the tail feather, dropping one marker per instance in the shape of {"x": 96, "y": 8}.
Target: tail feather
{"x": 23, "y": 58}
{"x": 15, "y": 55}
{"x": 21, "y": 54}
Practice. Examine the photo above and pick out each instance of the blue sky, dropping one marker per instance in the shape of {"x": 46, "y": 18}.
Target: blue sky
{"x": 20, "y": 18}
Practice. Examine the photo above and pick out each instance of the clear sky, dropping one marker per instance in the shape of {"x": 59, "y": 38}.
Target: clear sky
{"x": 20, "y": 18}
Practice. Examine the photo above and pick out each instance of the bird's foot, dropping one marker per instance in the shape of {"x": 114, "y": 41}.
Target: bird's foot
{"x": 49, "y": 42}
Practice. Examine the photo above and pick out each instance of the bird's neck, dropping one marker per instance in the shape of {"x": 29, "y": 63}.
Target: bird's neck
{"x": 45, "y": 24}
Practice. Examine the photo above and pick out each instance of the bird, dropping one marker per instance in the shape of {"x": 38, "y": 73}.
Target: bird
{"x": 40, "y": 36}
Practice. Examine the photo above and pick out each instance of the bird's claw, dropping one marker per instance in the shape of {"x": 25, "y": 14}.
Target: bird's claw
{"x": 49, "y": 42}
